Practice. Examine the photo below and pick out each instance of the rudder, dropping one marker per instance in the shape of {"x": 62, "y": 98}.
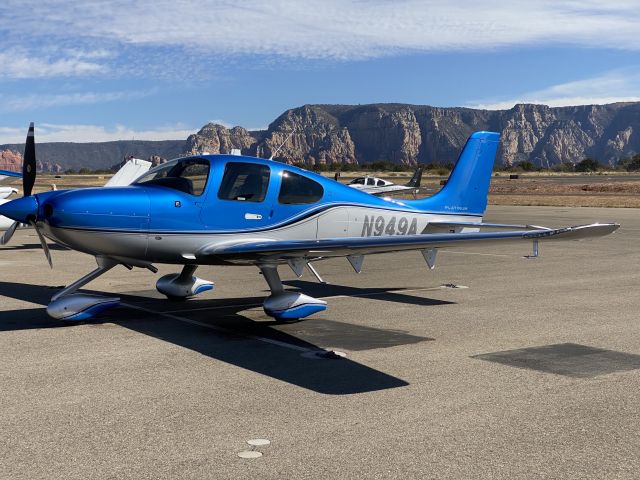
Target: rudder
{"x": 468, "y": 186}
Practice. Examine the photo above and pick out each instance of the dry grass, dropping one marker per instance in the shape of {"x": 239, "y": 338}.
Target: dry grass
{"x": 529, "y": 190}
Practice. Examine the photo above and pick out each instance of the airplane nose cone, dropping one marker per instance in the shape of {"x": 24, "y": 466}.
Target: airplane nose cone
{"x": 21, "y": 209}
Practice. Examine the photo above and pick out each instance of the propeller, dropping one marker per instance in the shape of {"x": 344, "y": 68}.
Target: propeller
{"x": 6, "y": 236}
{"x": 29, "y": 163}
{"x": 28, "y": 180}
{"x": 43, "y": 242}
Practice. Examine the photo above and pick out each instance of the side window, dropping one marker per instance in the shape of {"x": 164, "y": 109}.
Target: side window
{"x": 196, "y": 173}
{"x": 371, "y": 181}
{"x": 296, "y": 189}
{"x": 245, "y": 182}
{"x": 380, "y": 183}
{"x": 188, "y": 176}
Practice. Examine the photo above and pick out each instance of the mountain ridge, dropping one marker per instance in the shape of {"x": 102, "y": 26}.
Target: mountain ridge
{"x": 394, "y": 132}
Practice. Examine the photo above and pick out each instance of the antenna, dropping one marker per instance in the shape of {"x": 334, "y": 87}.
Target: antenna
{"x": 282, "y": 144}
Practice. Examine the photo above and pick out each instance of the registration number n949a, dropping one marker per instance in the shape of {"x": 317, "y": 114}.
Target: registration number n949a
{"x": 378, "y": 225}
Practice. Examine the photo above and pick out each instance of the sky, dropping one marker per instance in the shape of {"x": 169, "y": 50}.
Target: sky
{"x": 93, "y": 71}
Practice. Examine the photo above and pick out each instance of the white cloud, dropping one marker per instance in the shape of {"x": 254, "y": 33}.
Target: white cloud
{"x": 610, "y": 87}
{"x": 22, "y": 64}
{"x": 46, "y": 132}
{"x": 335, "y": 29}
{"x": 14, "y": 103}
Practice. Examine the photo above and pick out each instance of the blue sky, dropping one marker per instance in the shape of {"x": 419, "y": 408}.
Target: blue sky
{"x": 112, "y": 69}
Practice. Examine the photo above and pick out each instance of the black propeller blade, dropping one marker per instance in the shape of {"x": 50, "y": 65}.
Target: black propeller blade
{"x": 29, "y": 163}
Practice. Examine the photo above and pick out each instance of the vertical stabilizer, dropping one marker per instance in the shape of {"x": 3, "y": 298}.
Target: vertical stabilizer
{"x": 468, "y": 186}
{"x": 416, "y": 179}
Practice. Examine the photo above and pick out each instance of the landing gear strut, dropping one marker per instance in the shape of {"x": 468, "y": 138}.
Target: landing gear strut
{"x": 183, "y": 285}
{"x": 75, "y": 307}
{"x": 283, "y": 305}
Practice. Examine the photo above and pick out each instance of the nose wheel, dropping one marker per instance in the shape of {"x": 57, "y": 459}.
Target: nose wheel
{"x": 75, "y": 307}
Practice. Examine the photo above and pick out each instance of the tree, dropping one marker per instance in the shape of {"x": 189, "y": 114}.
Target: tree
{"x": 632, "y": 164}
{"x": 587, "y": 165}
{"x": 525, "y": 166}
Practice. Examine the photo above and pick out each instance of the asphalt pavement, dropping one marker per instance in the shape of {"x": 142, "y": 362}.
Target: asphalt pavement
{"x": 490, "y": 366}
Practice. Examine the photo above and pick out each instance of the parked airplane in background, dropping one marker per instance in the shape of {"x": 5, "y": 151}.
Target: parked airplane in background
{"x": 5, "y": 192}
{"x": 7, "y": 177}
{"x": 379, "y": 186}
{"x": 235, "y": 210}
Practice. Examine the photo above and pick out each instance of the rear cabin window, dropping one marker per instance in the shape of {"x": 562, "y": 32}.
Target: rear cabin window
{"x": 296, "y": 189}
{"x": 244, "y": 182}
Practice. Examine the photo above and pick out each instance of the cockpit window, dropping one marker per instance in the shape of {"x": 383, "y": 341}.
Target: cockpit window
{"x": 188, "y": 176}
{"x": 296, "y": 189}
{"x": 245, "y": 182}
{"x": 357, "y": 181}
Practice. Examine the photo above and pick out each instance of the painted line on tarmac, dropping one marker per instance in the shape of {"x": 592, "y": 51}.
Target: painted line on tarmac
{"x": 219, "y": 329}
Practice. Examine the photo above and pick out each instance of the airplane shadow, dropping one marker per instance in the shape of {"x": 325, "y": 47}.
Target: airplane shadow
{"x": 262, "y": 346}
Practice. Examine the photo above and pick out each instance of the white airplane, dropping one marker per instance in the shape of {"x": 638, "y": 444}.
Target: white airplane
{"x": 7, "y": 177}
{"x": 379, "y": 186}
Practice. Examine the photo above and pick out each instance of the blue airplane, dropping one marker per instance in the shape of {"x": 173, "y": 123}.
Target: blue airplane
{"x": 238, "y": 210}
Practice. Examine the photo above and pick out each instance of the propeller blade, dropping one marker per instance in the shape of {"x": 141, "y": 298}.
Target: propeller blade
{"x": 9, "y": 233}
{"x": 29, "y": 163}
{"x": 43, "y": 242}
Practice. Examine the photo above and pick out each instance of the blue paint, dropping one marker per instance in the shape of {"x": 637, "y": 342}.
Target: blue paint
{"x": 468, "y": 186}
{"x": 8, "y": 173}
{"x": 203, "y": 288}
{"x": 301, "y": 311}
{"x": 20, "y": 209}
{"x": 91, "y": 312}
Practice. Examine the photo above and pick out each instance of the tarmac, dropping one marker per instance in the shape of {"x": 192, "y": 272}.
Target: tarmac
{"x": 490, "y": 366}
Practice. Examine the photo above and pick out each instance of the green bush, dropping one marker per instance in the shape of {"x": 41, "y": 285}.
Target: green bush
{"x": 588, "y": 165}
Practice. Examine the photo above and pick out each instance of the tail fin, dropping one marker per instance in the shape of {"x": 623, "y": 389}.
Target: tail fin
{"x": 468, "y": 185}
{"x": 416, "y": 179}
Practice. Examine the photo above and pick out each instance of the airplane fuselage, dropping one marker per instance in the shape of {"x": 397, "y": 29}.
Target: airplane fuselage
{"x": 161, "y": 224}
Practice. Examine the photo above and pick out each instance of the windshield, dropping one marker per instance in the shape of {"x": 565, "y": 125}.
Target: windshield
{"x": 188, "y": 176}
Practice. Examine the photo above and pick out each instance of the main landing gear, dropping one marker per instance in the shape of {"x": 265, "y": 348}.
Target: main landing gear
{"x": 183, "y": 285}
{"x": 287, "y": 306}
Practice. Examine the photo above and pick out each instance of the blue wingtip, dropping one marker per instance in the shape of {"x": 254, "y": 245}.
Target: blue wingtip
{"x": 8, "y": 173}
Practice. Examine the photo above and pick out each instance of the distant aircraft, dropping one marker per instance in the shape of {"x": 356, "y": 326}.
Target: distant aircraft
{"x": 7, "y": 177}
{"x": 378, "y": 186}
{"x": 5, "y": 192}
{"x": 236, "y": 210}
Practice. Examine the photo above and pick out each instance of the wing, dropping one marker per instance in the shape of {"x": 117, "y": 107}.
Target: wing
{"x": 266, "y": 250}
{"x": 7, "y": 176}
{"x": 129, "y": 172}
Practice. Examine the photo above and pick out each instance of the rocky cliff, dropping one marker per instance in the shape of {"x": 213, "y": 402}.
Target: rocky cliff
{"x": 398, "y": 133}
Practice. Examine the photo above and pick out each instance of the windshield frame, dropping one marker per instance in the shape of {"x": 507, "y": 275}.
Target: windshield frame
{"x": 169, "y": 166}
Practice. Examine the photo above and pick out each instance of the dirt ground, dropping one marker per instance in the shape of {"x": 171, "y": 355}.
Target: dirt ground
{"x": 608, "y": 190}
